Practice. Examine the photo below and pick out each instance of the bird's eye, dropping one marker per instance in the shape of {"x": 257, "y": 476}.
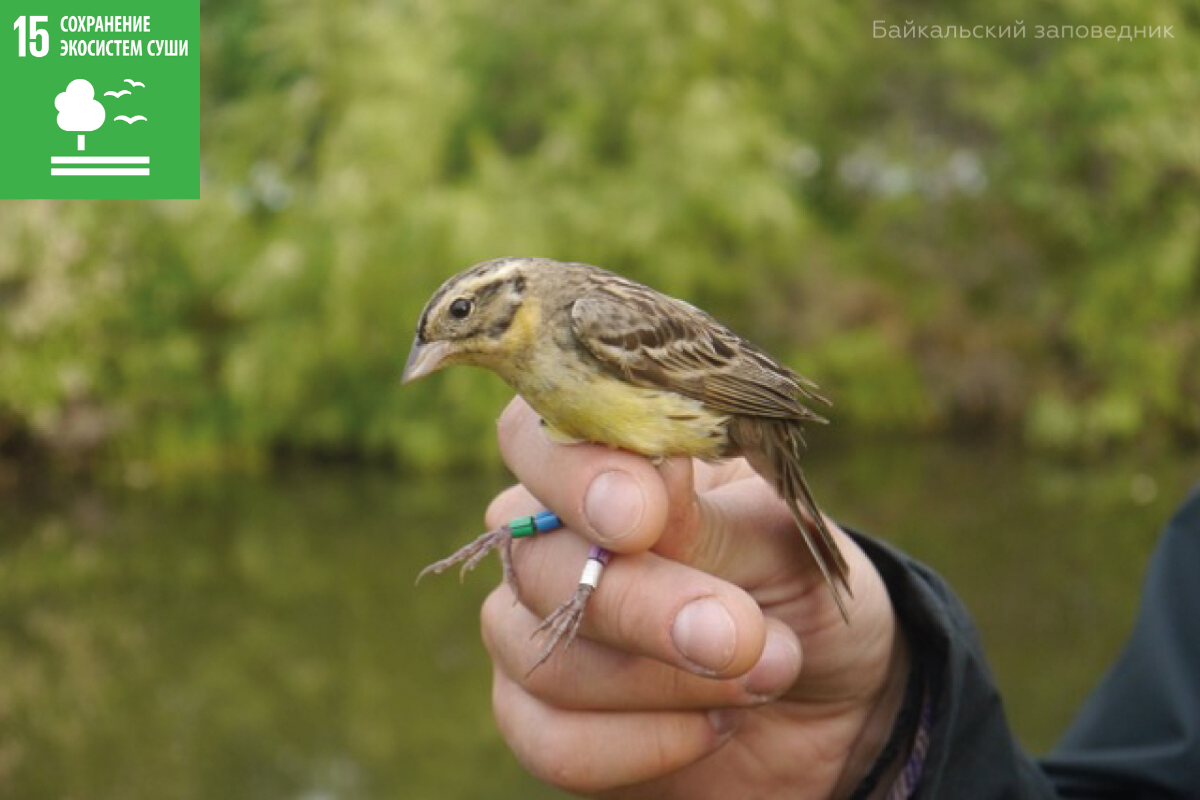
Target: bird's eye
{"x": 460, "y": 308}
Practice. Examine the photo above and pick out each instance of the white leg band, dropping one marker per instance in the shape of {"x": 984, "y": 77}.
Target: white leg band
{"x": 591, "y": 572}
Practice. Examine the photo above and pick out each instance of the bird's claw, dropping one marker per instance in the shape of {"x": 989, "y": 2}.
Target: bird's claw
{"x": 469, "y": 556}
{"x": 562, "y": 624}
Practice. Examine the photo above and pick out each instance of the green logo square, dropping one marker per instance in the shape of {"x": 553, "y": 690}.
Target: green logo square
{"x": 101, "y": 99}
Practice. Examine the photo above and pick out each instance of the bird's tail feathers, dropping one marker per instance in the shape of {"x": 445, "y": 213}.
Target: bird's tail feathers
{"x": 818, "y": 537}
{"x": 774, "y": 448}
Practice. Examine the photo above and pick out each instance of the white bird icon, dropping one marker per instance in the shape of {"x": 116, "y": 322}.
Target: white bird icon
{"x": 132, "y": 82}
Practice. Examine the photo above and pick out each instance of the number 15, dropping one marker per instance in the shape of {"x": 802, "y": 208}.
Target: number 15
{"x": 35, "y": 36}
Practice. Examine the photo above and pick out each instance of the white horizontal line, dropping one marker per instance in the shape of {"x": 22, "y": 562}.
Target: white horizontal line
{"x": 99, "y": 159}
{"x": 100, "y": 171}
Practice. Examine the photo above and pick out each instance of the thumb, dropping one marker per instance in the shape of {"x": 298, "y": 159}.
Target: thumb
{"x": 738, "y": 529}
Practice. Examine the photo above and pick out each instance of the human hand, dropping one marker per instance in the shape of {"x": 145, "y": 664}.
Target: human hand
{"x": 712, "y": 661}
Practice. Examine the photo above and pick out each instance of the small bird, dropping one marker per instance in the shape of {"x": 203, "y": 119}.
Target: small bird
{"x": 607, "y": 360}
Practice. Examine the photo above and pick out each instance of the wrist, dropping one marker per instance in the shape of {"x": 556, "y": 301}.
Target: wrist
{"x": 878, "y": 754}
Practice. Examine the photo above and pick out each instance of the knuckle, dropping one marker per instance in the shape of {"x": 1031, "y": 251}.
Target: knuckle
{"x": 495, "y": 511}
{"x": 621, "y": 612}
{"x": 511, "y": 425}
{"x": 491, "y": 619}
{"x": 512, "y": 502}
{"x": 562, "y": 763}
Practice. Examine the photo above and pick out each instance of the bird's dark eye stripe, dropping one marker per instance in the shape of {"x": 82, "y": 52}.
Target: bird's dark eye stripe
{"x": 499, "y": 328}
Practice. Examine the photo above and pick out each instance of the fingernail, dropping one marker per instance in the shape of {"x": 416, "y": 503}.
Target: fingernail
{"x": 614, "y": 505}
{"x": 705, "y": 635}
{"x": 777, "y": 669}
{"x": 725, "y": 720}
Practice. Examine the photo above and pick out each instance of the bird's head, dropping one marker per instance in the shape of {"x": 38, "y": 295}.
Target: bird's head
{"x": 483, "y": 316}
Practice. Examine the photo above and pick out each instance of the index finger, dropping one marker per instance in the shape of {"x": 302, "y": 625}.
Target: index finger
{"x": 614, "y": 498}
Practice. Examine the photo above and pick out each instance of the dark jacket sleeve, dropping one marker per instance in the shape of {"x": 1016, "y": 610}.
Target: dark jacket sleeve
{"x": 1138, "y": 735}
{"x": 973, "y": 754}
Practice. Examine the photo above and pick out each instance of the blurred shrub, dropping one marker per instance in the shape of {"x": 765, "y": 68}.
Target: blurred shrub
{"x": 948, "y": 234}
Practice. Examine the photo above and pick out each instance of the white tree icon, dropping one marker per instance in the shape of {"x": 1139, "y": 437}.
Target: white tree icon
{"x": 78, "y": 109}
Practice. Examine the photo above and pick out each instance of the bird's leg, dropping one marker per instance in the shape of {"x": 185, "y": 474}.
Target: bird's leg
{"x": 502, "y": 538}
{"x": 563, "y": 622}
{"x": 471, "y": 554}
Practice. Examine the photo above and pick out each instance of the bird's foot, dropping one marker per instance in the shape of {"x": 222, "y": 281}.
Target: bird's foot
{"x": 469, "y": 556}
{"x": 563, "y": 623}
{"x": 502, "y": 538}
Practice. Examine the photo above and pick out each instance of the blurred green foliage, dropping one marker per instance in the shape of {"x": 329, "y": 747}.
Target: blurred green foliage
{"x": 948, "y": 234}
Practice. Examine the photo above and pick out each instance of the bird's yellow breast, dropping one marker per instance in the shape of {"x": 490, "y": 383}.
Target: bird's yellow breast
{"x": 606, "y": 410}
{"x": 581, "y": 402}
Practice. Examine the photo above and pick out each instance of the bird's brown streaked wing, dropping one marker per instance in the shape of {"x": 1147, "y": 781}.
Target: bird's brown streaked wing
{"x": 657, "y": 341}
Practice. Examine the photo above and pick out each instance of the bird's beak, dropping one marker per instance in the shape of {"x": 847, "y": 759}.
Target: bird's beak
{"x": 424, "y": 359}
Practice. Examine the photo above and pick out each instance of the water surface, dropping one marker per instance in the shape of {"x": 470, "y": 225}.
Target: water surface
{"x": 264, "y": 639}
